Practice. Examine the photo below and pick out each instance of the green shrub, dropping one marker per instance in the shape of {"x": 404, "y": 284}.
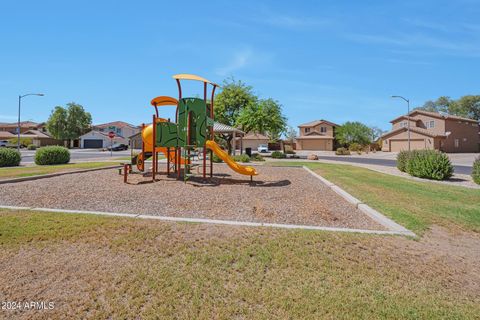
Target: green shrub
{"x": 31, "y": 147}
{"x": 289, "y": 151}
{"x": 9, "y": 157}
{"x": 278, "y": 155}
{"x": 476, "y": 171}
{"x": 402, "y": 159}
{"x": 241, "y": 158}
{"x": 23, "y": 141}
{"x": 257, "y": 157}
{"x": 342, "y": 152}
{"x": 355, "y": 147}
{"x": 430, "y": 164}
{"x": 52, "y": 155}
{"x": 216, "y": 158}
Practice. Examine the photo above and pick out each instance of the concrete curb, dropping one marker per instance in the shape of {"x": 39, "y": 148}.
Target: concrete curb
{"x": 366, "y": 209}
{"x": 211, "y": 221}
{"x": 56, "y": 174}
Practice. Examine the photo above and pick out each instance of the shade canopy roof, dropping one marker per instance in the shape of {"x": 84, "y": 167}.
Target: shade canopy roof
{"x": 164, "y": 101}
{"x": 186, "y": 76}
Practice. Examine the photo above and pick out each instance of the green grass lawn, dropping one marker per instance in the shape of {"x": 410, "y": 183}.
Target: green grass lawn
{"x": 415, "y": 205}
{"x": 17, "y": 172}
{"x": 105, "y": 267}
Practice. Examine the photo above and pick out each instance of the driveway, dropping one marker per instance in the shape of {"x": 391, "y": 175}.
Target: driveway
{"x": 462, "y": 162}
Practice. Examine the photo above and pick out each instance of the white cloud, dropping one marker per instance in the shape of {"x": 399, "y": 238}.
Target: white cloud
{"x": 238, "y": 61}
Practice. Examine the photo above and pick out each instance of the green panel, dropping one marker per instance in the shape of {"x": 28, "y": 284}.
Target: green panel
{"x": 198, "y": 121}
{"x": 167, "y": 135}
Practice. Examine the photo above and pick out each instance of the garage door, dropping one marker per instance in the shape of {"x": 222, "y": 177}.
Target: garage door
{"x": 399, "y": 145}
{"x": 314, "y": 144}
{"x": 93, "y": 143}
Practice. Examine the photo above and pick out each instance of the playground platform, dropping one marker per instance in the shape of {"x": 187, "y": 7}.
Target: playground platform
{"x": 278, "y": 195}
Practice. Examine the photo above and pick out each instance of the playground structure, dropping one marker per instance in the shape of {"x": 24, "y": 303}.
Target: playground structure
{"x": 191, "y": 133}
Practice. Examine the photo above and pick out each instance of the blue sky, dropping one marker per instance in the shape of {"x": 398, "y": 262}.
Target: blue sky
{"x": 337, "y": 60}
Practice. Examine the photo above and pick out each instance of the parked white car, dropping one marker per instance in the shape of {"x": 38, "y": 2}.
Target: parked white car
{"x": 3, "y": 143}
{"x": 262, "y": 148}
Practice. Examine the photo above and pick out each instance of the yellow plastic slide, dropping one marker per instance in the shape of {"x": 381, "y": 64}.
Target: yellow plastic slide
{"x": 246, "y": 170}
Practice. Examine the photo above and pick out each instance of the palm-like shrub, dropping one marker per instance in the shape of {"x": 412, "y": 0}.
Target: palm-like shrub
{"x": 342, "y": 152}
{"x": 241, "y": 158}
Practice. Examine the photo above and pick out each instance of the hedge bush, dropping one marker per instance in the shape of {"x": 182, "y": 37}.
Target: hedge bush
{"x": 257, "y": 157}
{"x": 9, "y": 157}
{"x": 402, "y": 159}
{"x": 241, "y": 158}
{"x": 342, "y": 152}
{"x": 355, "y": 147}
{"x": 430, "y": 164}
{"x": 31, "y": 147}
{"x": 476, "y": 171}
{"x": 278, "y": 155}
{"x": 52, "y": 155}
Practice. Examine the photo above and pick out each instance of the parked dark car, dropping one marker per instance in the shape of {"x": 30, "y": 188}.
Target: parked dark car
{"x": 117, "y": 147}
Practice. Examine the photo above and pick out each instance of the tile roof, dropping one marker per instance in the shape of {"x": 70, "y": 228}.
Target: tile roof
{"x": 223, "y": 128}
{"x": 118, "y": 124}
{"x": 255, "y": 136}
{"x": 23, "y": 124}
{"x": 422, "y": 131}
{"x": 433, "y": 114}
{"x": 317, "y": 122}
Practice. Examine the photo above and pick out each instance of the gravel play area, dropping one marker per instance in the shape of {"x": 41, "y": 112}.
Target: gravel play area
{"x": 277, "y": 195}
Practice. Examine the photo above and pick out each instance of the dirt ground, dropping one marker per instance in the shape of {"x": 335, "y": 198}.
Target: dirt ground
{"x": 277, "y": 194}
{"x": 93, "y": 277}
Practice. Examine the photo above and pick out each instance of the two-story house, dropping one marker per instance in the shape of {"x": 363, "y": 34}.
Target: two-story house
{"x": 316, "y": 135}
{"x": 431, "y": 130}
{"x": 98, "y": 137}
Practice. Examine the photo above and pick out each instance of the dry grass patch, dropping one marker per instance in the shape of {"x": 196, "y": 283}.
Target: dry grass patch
{"x": 103, "y": 267}
{"x": 18, "y": 172}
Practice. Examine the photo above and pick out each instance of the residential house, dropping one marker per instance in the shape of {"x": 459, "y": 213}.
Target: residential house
{"x": 120, "y": 128}
{"x": 98, "y": 137}
{"x": 431, "y": 130}
{"x": 251, "y": 140}
{"x": 316, "y": 135}
{"x": 24, "y": 126}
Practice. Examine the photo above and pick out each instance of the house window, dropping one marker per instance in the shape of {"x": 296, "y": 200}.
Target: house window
{"x": 457, "y": 143}
{"x": 323, "y": 129}
{"x": 307, "y": 130}
{"x": 430, "y": 124}
{"x": 119, "y": 130}
{"x": 403, "y": 124}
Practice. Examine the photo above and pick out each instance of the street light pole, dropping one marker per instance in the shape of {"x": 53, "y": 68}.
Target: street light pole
{"x": 408, "y": 117}
{"x": 19, "y": 106}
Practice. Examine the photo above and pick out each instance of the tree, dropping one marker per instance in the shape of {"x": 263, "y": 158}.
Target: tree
{"x": 229, "y": 103}
{"x": 442, "y": 104}
{"x": 467, "y": 106}
{"x": 376, "y": 133}
{"x": 291, "y": 134}
{"x": 354, "y": 132}
{"x": 57, "y": 123}
{"x": 78, "y": 120}
{"x": 68, "y": 123}
{"x": 235, "y": 96}
{"x": 264, "y": 117}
